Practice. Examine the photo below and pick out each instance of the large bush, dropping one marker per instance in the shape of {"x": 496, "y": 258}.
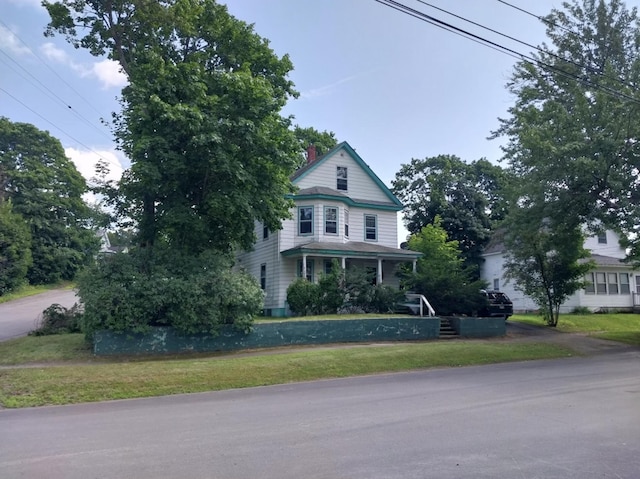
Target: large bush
{"x": 15, "y": 252}
{"x": 194, "y": 294}
{"x": 351, "y": 292}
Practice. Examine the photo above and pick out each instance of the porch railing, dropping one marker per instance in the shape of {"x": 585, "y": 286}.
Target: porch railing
{"x": 422, "y": 304}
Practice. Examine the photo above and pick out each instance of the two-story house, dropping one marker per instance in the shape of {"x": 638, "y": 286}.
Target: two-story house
{"x": 342, "y": 211}
{"x": 612, "y": 285}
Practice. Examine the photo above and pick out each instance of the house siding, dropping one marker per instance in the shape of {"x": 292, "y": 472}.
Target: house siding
{"x": 493, "y": 267}
{"x": 360, "y": 184}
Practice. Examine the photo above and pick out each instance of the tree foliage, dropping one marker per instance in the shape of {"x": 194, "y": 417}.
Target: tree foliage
{"x": 441, "y": 275}
{"x": 46, "y": 190}
{"x": 469, "y": 199}
{"x": 200, "y": 121}
{"x": 324, "y": 141}
{"x": 193, "y": 293}
{"x": 15, "y": 248}
{"x": 573, "y": 133}
{"x": 546, "y": 260}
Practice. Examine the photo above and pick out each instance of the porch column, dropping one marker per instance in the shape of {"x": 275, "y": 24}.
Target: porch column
{"x": 379, "y": 271}
{"x": 304, "y": 266}
{"x": 415, "y": 262}
{"x": 343, "y": 262}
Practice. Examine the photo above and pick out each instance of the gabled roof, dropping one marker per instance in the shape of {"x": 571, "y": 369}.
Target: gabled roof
{"x": 308, "y": 168}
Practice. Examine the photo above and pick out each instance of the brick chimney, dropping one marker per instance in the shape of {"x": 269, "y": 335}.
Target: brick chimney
{"x": 311, "y": 154}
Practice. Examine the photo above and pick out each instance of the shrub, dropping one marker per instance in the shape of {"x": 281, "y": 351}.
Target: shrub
{"x": 581, "y": 310}
{"x": 194, "y": 294}
{"x": 302, "y": 297}
{"x": 57, "y": 319}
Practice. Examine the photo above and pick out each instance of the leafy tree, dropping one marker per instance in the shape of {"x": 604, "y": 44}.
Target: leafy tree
{"x": 573, "y": 131}
{"x": 46, "y": 189}
{"x": 469, "y": 199}
{"x": 547, "y": 261}
{"x": 192, "y": 293}
{"x": 441, "y": 276}
{"x": 210, "y": 152}
{"x": 324, "y": 141}
{"x": 15, "y": 248}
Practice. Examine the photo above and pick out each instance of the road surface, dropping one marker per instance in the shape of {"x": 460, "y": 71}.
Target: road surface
{"x": 570, "y": 418}
{"x": 19, "y": 317}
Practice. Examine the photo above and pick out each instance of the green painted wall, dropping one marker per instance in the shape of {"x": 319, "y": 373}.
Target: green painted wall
{"x": 479, "y": 327}
{"x": 268, "y": 335}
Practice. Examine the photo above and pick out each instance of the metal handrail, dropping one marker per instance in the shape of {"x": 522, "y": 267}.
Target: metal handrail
{"x": 424, "y": 301}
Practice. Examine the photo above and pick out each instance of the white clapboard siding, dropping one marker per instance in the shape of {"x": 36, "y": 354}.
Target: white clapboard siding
{"x": 360, "y": 186}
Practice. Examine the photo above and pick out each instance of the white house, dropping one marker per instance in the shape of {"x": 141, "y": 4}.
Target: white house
{"x": 342, "y": 211}
{"x": 612, "y": 284}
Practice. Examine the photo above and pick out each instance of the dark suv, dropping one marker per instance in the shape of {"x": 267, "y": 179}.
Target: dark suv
{"x": 498, "y": 304}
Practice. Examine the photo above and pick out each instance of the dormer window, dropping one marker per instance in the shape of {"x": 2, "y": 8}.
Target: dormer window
{"x": 341, "y": 183}
{"x": 602, "y": 238}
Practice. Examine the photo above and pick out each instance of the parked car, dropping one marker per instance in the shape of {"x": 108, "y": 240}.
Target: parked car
{"x": 498, "y": 304}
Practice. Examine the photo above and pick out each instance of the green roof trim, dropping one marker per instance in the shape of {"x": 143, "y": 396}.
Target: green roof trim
{"x": 346, "y": 147}
{"x": 348, "y": 201}
{"x": 338, "y": 253}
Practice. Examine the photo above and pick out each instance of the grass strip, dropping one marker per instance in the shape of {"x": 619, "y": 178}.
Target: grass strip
{"x": 57, "y": 385}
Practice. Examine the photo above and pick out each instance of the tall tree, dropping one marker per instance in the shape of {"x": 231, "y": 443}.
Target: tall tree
{"x": 201, "y": 119}
{"x": 574, "y": 129}
{"x": 469, "y": 199}
{"x": 15, "y": 248}
{"x": 322, "y": 140}
{"x": 546, "y": 260}
{"x": 441, "y": 276}
{"x": 46, "y": 189}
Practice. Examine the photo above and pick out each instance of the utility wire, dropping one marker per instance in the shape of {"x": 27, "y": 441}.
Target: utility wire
{"x": 539, "y": 17}
{"x": 46, "y": 64}
{"x": 57, "y": 127}
{"x": 432, "y": 20}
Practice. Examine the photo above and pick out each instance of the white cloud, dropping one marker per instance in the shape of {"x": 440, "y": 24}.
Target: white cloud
{"x": 109, "y": 73}
{"x": 9, "y": 42}
{"x": 106, "y": 71}
{"x": 325, "y": 90}
{"x": 27, "y": 3}
{"x": 86, "y": 161}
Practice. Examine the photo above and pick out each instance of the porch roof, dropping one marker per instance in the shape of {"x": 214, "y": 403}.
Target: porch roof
{"x": 601, "y": 260}
{"x": 352, "y": 249}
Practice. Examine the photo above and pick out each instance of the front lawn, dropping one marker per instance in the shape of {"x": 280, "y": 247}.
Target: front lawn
{"x": 617, "y": 327}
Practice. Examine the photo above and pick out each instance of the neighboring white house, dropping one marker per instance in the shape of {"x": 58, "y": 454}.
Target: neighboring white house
{"x": 342, "y": 211}
{"x": 613, "y": 284}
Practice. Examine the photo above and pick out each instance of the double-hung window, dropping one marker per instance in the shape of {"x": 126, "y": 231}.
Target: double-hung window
{"x": 624, "y": 283}
{"x": 589, "y": 287}
{"x": 265, "y": 232}
{"x": 309, "y": 273}
{"x": 612, "y": 279}
{"x": 341, "y": 178}
{"x": 263, "y": 276}
{"x": 305, "y": 220}
{"x": 370, "y": 227}
{"x": 331, "y": 220}
{"x": 601, "y": 283}
{"x": 346, "y": 223}
{"x": 602, "y": 238}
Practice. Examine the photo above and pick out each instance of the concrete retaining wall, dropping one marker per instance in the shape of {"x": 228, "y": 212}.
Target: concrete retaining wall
{"x": 268, "y": 335}
{"x": 479, "y": 327}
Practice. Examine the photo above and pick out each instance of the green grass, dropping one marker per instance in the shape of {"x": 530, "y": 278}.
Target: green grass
{"x": 45, "y": 349}
{"x": 39, "y": 386}
{"x": 617, "y": 327}
{"x": 29, "y": 290}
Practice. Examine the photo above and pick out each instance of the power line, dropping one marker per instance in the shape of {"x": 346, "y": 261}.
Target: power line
{"x": 539, "y": 17}
{"x": 50, "y": 68}
{"x": 57, "y": 127}
{"x": 511, "y": 52}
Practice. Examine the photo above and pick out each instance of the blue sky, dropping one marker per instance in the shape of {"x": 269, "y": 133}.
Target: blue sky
{"x": 394, "y": 87}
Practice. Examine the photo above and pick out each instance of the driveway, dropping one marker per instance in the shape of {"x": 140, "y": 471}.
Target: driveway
{"x": 19, "y": 317}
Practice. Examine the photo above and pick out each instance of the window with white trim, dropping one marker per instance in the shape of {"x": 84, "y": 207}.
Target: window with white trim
{"x": 589, "y": 287}
{"x": 341, "y": 178}
{"x": 263, "y": 276}
{"x": 602, "y": 238}
{"x": 496, "y": 284}
{"x": 265, "y": 232}
{"x": 331, "y": 220}
{"x": 612, "y": 282}
{"x": 310, "y": 267}
{"x": 624, "y": 283}
{"x": 370, "y": 227}
{"x": 305, "y": 220}
{"x": 346, "y": 222}
{"x": 601, "y": 283}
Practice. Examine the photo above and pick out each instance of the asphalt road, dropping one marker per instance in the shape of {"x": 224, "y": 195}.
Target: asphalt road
{"x": 19, "y": 317}
{"x": 569, "y": 418}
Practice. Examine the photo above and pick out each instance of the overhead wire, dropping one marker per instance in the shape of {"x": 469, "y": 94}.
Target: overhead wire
{"x": 503, "y": 49}
{"x": 48, "y": 91}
